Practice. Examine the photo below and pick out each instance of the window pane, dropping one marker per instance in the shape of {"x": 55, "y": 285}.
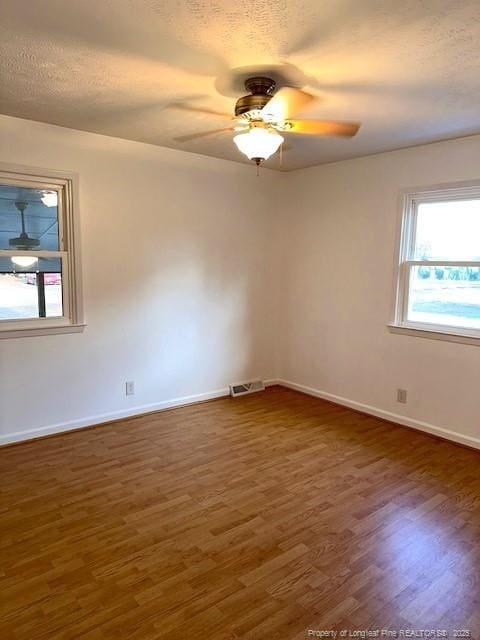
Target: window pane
{"x": 445, "y": 295}
{"x": 28, "y": 218}
{"x": 30, "y": 292}
{"x": 448, "y": 230}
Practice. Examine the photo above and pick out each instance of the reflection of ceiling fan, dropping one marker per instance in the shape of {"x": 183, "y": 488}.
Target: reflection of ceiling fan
{"x": 23, "y": 242}
{"x": 260, "y": 115}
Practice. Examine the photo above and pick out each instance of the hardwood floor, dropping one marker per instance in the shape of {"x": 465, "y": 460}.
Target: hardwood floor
{"x": 255, "y": 518}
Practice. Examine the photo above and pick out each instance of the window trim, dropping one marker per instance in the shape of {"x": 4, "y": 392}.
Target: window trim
{"x": 404, "y": 260}
{"x": 72, "y": 320}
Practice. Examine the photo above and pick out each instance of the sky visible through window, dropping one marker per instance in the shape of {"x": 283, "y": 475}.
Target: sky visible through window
{"x": 448, "y": 230}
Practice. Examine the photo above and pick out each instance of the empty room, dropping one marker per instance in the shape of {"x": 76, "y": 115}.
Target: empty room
{"x": 239, "y": 319}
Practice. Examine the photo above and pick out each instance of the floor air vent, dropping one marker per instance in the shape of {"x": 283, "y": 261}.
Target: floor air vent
{"x": 241, "y": 388}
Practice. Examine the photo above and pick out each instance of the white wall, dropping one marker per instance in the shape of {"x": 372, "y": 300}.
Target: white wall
{"x": 176, "y": 258}
{"x": 338, "y": 238}
{"x": 197, "y": 273}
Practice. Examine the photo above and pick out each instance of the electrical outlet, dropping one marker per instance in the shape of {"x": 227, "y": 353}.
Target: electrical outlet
{"x": 402, "y": 396}
{"x": 129, "y": 388}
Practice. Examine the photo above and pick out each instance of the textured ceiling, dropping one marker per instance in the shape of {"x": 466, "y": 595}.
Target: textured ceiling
{"x": 409, "y": 71}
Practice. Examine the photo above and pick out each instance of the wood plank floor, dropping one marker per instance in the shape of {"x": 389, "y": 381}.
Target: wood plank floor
{"x": 255, "y": 518}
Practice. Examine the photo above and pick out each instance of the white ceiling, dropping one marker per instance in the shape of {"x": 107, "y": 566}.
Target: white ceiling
{"x": 409, "y": 71}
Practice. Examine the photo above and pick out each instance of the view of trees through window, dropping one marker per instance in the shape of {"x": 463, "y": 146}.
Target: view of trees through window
{"x": 447, "y": 293}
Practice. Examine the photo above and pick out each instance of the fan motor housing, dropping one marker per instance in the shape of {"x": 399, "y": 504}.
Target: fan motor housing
{"x": 23, "y": 242}
{"x": 261, "y": 89}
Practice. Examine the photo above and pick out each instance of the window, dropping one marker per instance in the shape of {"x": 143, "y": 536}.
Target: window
{"x": 39, "y": 261}
{"x": 439, "y": 268}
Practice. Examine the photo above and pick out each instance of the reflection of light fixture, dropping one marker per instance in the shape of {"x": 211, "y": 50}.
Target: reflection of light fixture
{"x": 259, "y": 143}
{"x": 24, "y": 261}
{"x": 50, "y": 198}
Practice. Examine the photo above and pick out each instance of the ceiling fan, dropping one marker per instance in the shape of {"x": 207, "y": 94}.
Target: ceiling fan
{"x": 262, "y": 114}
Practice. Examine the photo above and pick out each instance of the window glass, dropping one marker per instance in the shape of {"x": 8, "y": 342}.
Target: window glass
{"x": 39, "y": 273}
{"x": 30, "y": 292}
{"x": 445, "y": 296}
{"x": 448, "y": 230}
{"x": 28, "y": 218}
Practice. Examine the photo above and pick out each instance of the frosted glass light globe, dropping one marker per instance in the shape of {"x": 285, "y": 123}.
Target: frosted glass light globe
{"x": 24, "y": 261}
{"x": 258, "y": 143}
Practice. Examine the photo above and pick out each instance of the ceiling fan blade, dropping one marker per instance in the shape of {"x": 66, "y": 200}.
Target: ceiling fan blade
{"x": 202, "y": 134}
{"x": 324, "y": 128}
{"x": 286, "y": 103}
{"x": 210, "y": 112}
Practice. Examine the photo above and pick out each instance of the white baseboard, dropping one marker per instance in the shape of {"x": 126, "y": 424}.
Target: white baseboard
{"x": 101, "y": 418}
{"x": 272, "y": 382}
{"x": 460, "y": 438}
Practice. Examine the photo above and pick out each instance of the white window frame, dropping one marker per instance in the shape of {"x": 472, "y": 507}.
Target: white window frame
{"x": 66, "y": 185}
{"x": 406, "y": 261}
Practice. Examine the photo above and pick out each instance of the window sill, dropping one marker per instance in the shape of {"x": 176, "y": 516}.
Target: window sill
{"x": 436, "y": 334}
{"x": 31, "y": 332}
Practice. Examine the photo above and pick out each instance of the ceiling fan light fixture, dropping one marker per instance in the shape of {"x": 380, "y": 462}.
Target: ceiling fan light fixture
{"x": 24, "y": 261}
{"x": 258, "y": 144}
